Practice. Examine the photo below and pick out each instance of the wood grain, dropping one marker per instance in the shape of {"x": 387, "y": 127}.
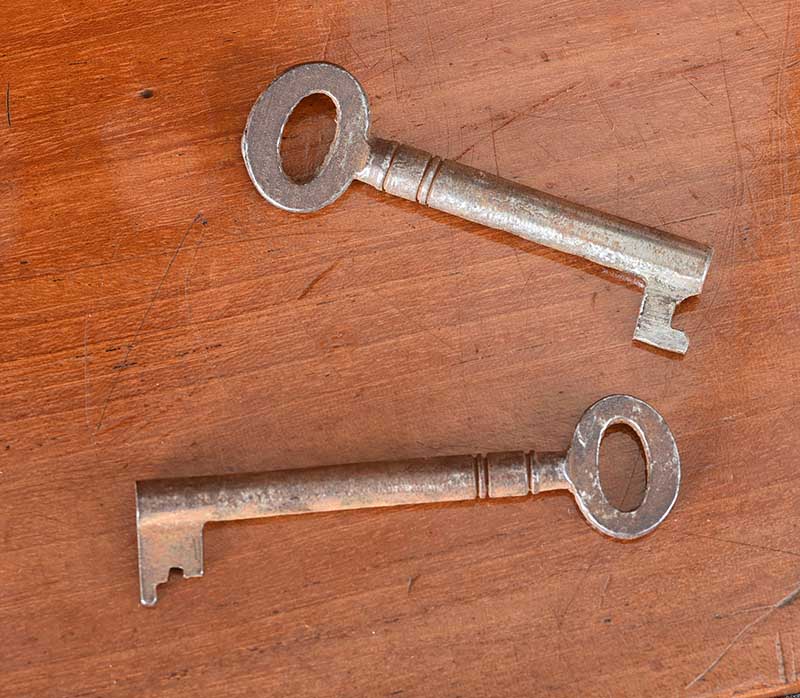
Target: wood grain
{"x": 158, "y": 318}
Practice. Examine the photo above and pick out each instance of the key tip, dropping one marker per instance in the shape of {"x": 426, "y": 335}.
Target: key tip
{"x": 654, "y": 324}
{"x": 166, "y": 540}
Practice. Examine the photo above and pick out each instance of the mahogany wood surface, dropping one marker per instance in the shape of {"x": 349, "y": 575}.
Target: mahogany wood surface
{"x": 158, "y": 318}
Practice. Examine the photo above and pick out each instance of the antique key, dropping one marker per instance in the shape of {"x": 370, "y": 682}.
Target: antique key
{"x": 672, "y": 268}
{"x": 170, "y": 514}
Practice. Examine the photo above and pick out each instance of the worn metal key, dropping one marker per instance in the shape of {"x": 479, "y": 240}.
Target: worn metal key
{"x": 672, "y": 268}
{"x": 170, "y": 514}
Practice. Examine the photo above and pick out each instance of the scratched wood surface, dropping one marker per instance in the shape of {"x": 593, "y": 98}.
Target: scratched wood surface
{"x": 158, "y": 318}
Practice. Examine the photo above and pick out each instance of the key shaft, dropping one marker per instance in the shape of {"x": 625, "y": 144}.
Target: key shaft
{"x": 672, "y": 268}
{"x": 171, "y": 513}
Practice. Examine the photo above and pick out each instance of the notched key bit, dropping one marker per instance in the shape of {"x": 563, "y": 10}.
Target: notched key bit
{"x": 671, "y": 268}
{"x": 170, "y": 514}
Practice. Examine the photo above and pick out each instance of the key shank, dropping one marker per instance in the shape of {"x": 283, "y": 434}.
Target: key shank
{"x": 171, "y": 513}
{"x": 672, "y": 268}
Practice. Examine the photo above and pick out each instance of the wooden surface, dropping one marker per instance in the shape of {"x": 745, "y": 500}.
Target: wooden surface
{"x": 159, "y": 318}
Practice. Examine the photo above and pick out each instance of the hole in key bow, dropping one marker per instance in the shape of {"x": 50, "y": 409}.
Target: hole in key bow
{"x": 623, "y": 467}
{"x": 307, "y": 137}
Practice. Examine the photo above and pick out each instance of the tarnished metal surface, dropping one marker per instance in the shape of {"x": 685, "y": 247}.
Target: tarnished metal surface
{"x": 170, "y": 514}
{"x": 670, "y": 267}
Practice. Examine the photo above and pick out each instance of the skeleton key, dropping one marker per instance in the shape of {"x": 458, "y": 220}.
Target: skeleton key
{"x": 170, "y": 514}
{"x": 671, "y": 268}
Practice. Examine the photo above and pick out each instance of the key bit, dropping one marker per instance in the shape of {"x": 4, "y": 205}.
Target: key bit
{"x": 671, "y": 268}
{"x": 171, "y": 513}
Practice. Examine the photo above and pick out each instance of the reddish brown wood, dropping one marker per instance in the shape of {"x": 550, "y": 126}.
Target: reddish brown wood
{"x": 159, "y": 318}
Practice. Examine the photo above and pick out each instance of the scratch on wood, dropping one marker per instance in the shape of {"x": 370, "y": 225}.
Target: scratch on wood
{"x": 327, "y": 41}
{"x": 787, "y": 600}
{"x": 734, "y": 124}
{"x": 529, "y": 112}
{"x": 609, "y": 121}
{"x": 741, "y": 543}
{"x": 605, "y": 589}
{"x": 741, "y": 185}
{"x": 752, "y": 19}
{"x": 190, "y": 270}
{"x": 8, "y": 103}
{"x": 411, "y": 580}
{"x": 389, "y": 46}
{"x": 779, "y": 99}
{"x": 491, "y": 134}
{"x": 356, "y": 53}
{"x": 494, "y": 150}
{"x": 549, "y": 98}
{"x": 153, "y": 298}
{"x": 696, "y": 88}
{"x": 389, "y": 302}
{"x": 316, "y": 280}
{"x": 781, "y": 117}
{"x": 692, "y": 218}
{"x": 86, "y": 376}
{"x": 740, "y": 611}
{"x": 560, "y": 617}
{"x": 781, "y": 659}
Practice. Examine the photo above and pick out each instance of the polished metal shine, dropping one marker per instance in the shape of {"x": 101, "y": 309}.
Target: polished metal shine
{"x": 671, "y": 268}
{"x": 170, "y": 514}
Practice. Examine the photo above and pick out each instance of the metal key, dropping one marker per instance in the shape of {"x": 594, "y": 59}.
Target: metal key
{"x": 170, "y": 514}
{"x": 671, "y": 268}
